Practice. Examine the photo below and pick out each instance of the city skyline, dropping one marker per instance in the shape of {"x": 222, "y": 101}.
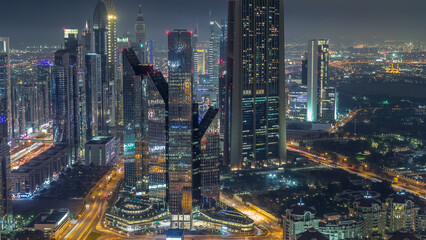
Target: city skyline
{"x": 380, "y": 20}
{"x": 214, "y": 119}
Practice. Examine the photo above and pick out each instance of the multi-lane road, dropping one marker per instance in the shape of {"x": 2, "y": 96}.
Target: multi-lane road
{"x": 362, "y": 173}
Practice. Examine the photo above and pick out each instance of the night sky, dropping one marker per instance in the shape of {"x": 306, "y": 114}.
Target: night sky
{"x": 41, "y": 21}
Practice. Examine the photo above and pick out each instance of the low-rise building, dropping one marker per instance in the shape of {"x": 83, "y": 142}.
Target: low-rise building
{"x": 53, "y": 223}
{"x": 401, "y": 212}
{"x": 101, "y": 150}
{"x": 373, "y": 211}
{"x": 298, "y": 219}
{"x": 345, "y": 227}
{"x": 33, "y": 174}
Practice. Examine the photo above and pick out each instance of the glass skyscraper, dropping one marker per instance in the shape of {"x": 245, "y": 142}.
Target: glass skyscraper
{"x": 5, "y": 130}
{"x": 321, "y": 105}
{"x": 179, "y": 155}
{"x": 65, "y": 101}
{"x": 136, "y": 157}
{"x": 258, "y": 82}
{"x": 100, "y": 32}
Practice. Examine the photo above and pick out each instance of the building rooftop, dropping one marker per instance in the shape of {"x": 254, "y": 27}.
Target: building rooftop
{"x": 312, "y": 234}
{"x": 401, "y": 197}
{"x": 301, "y": 208}
{"x": 368, "y": 201}
{"x": 40, "y": 159}
{"x": 402, "y": 235}
{"x": 100, "y": 140}
{"x": 53, "y": 217}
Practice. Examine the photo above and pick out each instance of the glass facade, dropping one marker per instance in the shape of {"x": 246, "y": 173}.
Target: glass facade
{"x": 5, "y": 197}
{"x": 136, "y": 158}
{"x": 157, "y": 144}
{"x": 94, "y": 95}
{"x": 179, "y": 154}
{"x": 321, "y": 105}
{"x": 257, "y": 99}
{"x": 65, "y": 101}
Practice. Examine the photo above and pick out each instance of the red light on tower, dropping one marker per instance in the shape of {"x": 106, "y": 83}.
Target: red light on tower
{"x": 63, "y": 29}
{"x": 190, "y": 32}
{"x": 167, "y": 32}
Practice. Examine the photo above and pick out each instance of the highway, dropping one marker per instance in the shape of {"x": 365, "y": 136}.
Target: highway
{"x": 96, "y": 200}
{"x": 25, "y": 155}
{"x": 365, "y": 174}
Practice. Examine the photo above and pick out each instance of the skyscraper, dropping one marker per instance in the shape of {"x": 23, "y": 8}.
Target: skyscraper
{"x": 71, "y": 39}
{"x": 95, "y": 92}
{"x": 214, "y": 55}
{"x": 141, "y": 45}
{"x": 258, "y": 136}
{"x": 179, "y": 155}
{"x": 136, "y": 157}
{"x": 5, "y": 130}
{"x": 321, "y": 91}
{"x": 100, "y": 32}
{"x": 140, "y": 28}
{"x": 112, "y": 60}
{"x": 44, "y": 74}
{"x": 65, "y": 101}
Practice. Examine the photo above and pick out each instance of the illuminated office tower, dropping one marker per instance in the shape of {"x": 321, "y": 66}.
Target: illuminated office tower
{"x": 44, "y": 74}
{"x": 65, "y": 101}
{"x": 179, "y": 155}
{"x": 71, "y": 39}
{"x": 209, "y": 162}
{"x": 135, "y": 110}
{"x": 29, "y": 98}
{"x": 95, "y": 93}
{"x": 258, "y": 136}
{"x": 214, "y": 56}
{"x": 321, "y": 90}
{"x": 173, "y": 119}
{"x": 141, "y": 45}
{"x": 112, "y": 61}
{"x": 100, "y": 32}
{"x": 140, "y": 27}
{"x": 122, "y": 43}
{"x": 223, "y": 96}
{"x": 5, "y": 131}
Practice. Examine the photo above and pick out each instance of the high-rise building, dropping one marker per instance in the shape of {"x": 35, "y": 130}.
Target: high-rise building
{"x": 305, "y": 70}
{"x": 179, "y": 154}
{"x": 95, "y": 93}
{"x": 136, "y": 157}
{"x": 141, "y": 44}
{"x": 223, "y": 96}
{"x": 140, "y": 27}
{"x": 5, "y": 131}
{"x": 321, "y": 90}
{"x": 175, "y": 135}
{"x": 214, "y": 55}
{"x": 112, "y": 60}
{"x": 258, "y": 136}
{"x": 44, "y": 83}
{"x": 71, "y": 39}
{"x": 157, "y": 125}
{"x": 100, "y": 32}
{"x": 65, "y": 101}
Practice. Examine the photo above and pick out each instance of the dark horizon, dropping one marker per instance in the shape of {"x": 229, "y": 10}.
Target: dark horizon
{"x": 38, "y": 23}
